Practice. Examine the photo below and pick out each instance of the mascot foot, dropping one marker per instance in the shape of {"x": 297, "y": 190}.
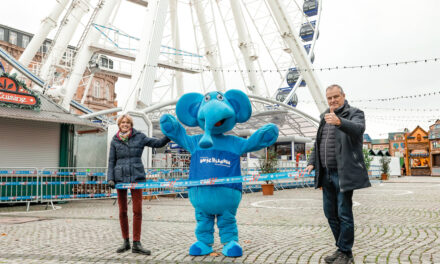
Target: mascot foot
{"x": 232, "y": 249}
{"x": 199, "y": 249}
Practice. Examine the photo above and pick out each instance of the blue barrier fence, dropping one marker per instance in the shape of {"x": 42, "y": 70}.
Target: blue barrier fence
{"x": 53, "y": 184}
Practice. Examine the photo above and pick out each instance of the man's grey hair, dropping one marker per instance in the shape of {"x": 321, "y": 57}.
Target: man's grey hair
{"x": 335, "y": 86}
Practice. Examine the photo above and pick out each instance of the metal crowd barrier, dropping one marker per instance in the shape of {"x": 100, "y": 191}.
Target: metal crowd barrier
{"x": 18, "y": 185}
{"x": 374, "y": 171}
{"x": 301, "y": 181}
{"x": 57, "y": 184}
{"x": 166, "y": 176}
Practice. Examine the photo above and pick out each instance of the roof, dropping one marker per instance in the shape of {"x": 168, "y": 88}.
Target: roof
{"x": 392, "y": 134}
{"x": 379, "y": 152}
{"x": 49, "y": 112}
{"x": 415, "y": 129}
{"x": 367, "y": 138}
{"x": 291, "y": 123}
{"x": 379, "y": 141}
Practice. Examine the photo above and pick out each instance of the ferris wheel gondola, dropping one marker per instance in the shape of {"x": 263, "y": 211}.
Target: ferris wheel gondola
{"x": 310, "y": 7}
{"x": 283, "y": 93}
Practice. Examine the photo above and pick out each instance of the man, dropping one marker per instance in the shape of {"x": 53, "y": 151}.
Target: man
{"x": 339, "y": 166}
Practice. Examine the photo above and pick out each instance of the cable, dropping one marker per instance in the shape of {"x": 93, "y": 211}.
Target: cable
{"x": 366, "y": 66}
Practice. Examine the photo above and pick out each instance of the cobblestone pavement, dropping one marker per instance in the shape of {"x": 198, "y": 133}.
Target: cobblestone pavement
{"x": 396, "y": 222}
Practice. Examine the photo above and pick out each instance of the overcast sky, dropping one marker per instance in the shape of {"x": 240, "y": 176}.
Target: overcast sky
{"x": 351, "y": 33}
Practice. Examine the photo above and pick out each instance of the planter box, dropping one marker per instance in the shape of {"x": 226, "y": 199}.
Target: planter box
{"x": 267, "y": 189}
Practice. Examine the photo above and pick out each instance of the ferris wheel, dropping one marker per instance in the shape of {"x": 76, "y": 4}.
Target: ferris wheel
{"x": 264, "y": 48}
{"x": 256, "y": 46}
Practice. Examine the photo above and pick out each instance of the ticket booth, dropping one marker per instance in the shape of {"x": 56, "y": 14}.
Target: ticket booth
{"x": 418, "y": 153}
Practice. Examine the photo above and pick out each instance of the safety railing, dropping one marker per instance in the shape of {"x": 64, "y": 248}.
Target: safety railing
{"x": 58, "y": 184}
{"x": 299, "y": 179}
{"x": 18, "y": 185}
{"x": 374, "y": 172}
{"x": 166, "y": 177}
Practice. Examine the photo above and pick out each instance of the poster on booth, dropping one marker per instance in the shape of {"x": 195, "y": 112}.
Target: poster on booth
{"x": 14, "y": 93}
{"x": 419, "y": 159}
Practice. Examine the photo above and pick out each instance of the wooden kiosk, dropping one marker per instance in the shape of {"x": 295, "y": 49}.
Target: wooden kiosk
{"x": 417, "y": 153}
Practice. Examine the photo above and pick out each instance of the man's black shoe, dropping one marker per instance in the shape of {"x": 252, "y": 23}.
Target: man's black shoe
{"x": 124, "y": 247}
{"x": 332, "y": 257}
{"x": 137, "y": 248}
{"x": 343, "y": 259}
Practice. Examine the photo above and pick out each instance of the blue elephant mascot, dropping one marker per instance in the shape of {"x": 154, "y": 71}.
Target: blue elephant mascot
{"x": 215, "y": 155}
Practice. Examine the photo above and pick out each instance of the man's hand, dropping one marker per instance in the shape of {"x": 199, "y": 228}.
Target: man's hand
{"x": 331, "y": 118}
{"x": 111, "y": 184}
{"x": 309, "y": 169}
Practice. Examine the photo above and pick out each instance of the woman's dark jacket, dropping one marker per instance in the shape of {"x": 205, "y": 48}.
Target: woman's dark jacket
{"x": 348, "y": 149}
{"x": 125, "y": 163}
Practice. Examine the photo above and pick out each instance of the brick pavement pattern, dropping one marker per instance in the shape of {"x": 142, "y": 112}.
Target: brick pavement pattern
{"x": 397, "y": 221}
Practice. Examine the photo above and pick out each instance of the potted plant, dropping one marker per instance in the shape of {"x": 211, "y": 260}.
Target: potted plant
{"x": 385, "y": 167}
{"x": 367, "y": 159}
{"x": 268, "y": 164}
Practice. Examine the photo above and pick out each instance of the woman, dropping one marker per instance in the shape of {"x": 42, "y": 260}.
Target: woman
{"x": 125, "y": 166}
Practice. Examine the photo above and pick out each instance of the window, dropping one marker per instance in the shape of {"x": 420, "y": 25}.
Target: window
{"x": 436, "y": 160}
{"x": 283, "y": 150}
{"x": 25, "y": 42}
{"x": 13, "y": 37}
{"x": 301, "y": 149}
{"x": 108, "y": 91}
{"x": 2, "y": 34}
{"x": 97, "y": 89}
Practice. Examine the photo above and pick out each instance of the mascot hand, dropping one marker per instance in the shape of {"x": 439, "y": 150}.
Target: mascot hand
{"x": 268, "y": 134}
{"x": 168, "y": 124}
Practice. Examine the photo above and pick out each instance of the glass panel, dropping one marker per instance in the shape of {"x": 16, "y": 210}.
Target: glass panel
{"x": 13, "y": 37}
{"x": 97, "y": 89}
{"x": 108, "y": 91}
{"x": 25, "y": 41}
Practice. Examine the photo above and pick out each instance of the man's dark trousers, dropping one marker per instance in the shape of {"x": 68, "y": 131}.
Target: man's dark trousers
{"x": 338, "y": 210}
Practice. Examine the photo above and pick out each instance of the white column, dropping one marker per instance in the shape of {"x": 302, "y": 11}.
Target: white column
{"x": 292, "y": 151}
{"x": 86, "y": 90}
{"x": 80, "y": 8}
{"x": 47, "y": 24}
{"x": 299, "y": 53}
{"x": 245, "y": 44}
{"x": 210, "y": 46}
{"x": 85, "y": 53}
{"x": 144, "y": 71}
{"x": 176, "y": 44}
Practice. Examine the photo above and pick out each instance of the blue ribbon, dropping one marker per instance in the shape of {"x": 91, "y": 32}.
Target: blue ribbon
{"x": 212, "y": 181}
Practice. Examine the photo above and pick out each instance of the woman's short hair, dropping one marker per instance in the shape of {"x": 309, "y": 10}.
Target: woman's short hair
{"x": 127, "y": 116}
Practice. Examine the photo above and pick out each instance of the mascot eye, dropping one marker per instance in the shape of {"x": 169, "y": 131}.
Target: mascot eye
{"x": 220, "y": 97}
{"x": 207, "y": 98}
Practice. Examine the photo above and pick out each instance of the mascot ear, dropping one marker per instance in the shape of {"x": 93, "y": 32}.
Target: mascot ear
{"x": 187, "y": 108}
{"x": 241, "y": 104}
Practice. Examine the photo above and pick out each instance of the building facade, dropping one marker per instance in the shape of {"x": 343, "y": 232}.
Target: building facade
{"x": 367, "y": 141}
{"x": 434, "y": 147}
{"x": 380, "y": 144}
{"x": 397, "y": 147}
{"x": 101, "y": 92}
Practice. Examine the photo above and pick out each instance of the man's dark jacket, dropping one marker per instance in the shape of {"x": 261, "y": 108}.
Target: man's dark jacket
{"x": 125, "y": 163}
{"x": 349, "y": 156}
